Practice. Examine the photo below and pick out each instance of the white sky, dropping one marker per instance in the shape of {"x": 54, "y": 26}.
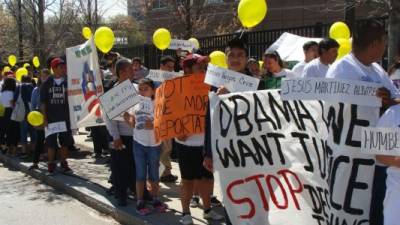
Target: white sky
{"x": 113, "y": 7}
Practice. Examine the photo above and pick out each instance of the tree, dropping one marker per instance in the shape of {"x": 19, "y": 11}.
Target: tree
{"x": 127, "y": 27}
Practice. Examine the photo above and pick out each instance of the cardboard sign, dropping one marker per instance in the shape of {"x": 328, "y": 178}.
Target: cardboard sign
{"x": 291, "y": 162}
{"x": 161, "y": 76}
{"x": 180, "y": 107}
{"x": 331, "y": 90}
{"x": 182, "y": 44}
{"x": 231, "y": 80}
{"x": 54, "y": 128}
{"x": 84, "y": 86}
{"x": 119, "y": 99}
{"x": 380, "y": 141}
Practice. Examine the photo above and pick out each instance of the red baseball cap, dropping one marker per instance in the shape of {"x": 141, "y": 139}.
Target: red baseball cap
{"x": 56, "y": 62}
{"x": 192, "y": 59}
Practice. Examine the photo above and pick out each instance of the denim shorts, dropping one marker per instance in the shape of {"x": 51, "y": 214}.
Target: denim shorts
{"x": 147, "y": 162}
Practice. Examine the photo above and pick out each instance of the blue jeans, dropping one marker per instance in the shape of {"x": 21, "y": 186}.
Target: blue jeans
{"x": 147, "y": 161}
{"x": 26, "y": 129}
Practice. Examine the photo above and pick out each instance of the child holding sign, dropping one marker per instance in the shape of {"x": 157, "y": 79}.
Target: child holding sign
{"x": 391, "y": 205}
{"x": 146, "y": 150}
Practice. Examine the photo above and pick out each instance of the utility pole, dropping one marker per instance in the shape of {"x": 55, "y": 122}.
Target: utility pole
{"x": 394, "y": 31}
{"x": 89, "y": 12}
{"x": 41, "y": 29}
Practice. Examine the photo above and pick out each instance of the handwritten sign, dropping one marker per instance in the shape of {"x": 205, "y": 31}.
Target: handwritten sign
{"x": 180, "y": 107}
{"x": 182, "y": 44}
{"x": 231, "y": 80}
{"x": 161, "y": 76}
{"x": 275, "y": 161}
{"x": 54, "y": 128}
{"x": 380, "y": 141}
{"x": 119, "y": 99}
{"x": 331, "y": 90}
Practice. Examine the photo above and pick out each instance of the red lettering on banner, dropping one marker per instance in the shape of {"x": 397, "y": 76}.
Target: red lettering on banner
{"x": 290, "y": 186}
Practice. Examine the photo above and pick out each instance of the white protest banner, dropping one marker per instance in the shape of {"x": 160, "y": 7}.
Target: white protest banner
{"x": 161, "y": 76}
{"x": 119, "y": 99}
{"x": 231, "y": 80}
{"x": 331, "y": 90}
{"x": 276, "y": 164}
{"x": 84, "y": 86}
{"x": 182, "y": 44}
{"x": 54, "y": 128}
{"x": 380, "y": 141}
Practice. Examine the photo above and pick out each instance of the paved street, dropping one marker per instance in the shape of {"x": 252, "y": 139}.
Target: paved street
{"x": 24, "y": 200}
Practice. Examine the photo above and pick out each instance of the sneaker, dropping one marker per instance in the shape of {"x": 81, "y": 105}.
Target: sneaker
{"x": 141, "y": 209}
{"x": 195, "y": 202}
{"x": 159, "y": 206}
{"x": 211, "y": 215}
{"x": 65, "y": 168}
{"x": 215, "y": 202}
{"x": 169, "y": 178}
{"x": 51, "y": 167}
{"x": 33, "y": 167}
{"x": 186, "y": 219}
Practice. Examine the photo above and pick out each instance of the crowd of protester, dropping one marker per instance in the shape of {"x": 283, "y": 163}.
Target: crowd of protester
{"x": 136, "y": 155}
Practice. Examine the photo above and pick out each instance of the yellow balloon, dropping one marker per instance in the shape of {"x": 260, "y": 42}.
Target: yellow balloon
{"x": 162, "y": 38}
{"x": 195, "y": 41}
{"x": 35, "y": 118}
{"x": 36, "y": 62}
{"x": 12, "y": 60}
{"x": 104, "y": 39}
{"x": 21, "y": 72}
{"x": 252, "y": 12}
{"x": 345, "y": 47}
{"x": 87, "y": 33}
{"x": 339, "y": 30}
{"x": 218, "y": 58}
{"x": 6, "y": 69}
{"x": 261, "y": 64}
{"x": 26, "y": 65}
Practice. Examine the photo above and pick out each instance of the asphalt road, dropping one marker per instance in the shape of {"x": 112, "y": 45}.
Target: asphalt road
{"x": 24, "y": 200}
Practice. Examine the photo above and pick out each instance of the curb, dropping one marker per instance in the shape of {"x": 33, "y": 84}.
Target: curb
{"x": 116, "y": 213}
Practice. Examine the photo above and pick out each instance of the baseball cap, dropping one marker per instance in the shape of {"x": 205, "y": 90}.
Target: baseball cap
{"x": 56, "y": 62}
{"x": 192, "y": 59}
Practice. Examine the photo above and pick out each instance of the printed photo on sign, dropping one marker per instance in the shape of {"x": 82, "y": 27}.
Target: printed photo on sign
{"x": 54, "y": 128}
{"x": 231, "y": 80}
{"x": 84, "y": 86}
{"x": 119, "y": 99}
{"x": 274, "y": 159}
{"x": 331, "y": 90}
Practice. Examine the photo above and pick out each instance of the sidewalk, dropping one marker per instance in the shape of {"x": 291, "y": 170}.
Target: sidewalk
{"x": 89, "y": 183}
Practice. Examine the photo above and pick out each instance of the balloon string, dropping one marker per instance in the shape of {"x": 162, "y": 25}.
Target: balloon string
{"x": 242, "y": 33}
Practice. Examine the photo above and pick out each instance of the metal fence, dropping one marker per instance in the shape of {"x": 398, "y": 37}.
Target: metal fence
{"x": 258, "y": 42}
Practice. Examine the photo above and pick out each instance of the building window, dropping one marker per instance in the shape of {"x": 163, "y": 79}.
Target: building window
{"x": 159, "y": 4}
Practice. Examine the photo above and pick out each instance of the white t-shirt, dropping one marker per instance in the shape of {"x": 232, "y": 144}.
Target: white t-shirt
{"x": 195, "y": 140}
{"x": 297, "y": 70}
{"x": 285, "y": 73}
{"x": 315, "y": 68}
{"x": 395, "y": 77}
{"x": 391, "y": 119}
{"x": 349, "y": 67}
{"x": 142, "y": 112}
{"x": 6, "y": 97}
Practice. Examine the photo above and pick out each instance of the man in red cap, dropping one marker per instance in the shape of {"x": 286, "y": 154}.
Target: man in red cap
{"x": 54, "y": 106}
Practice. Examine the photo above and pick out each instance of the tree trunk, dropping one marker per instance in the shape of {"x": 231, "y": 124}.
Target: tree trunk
{"x": 89, "y": 13}
{"x": 350, "y": 14}
{"x": 20, "y": 37}
{"x": 41, "y": 30}
{"x": 188, "y": 20}
{"x": 394, "y": 30}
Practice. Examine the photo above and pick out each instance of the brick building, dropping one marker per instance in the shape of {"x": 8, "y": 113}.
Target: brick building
{"x": 213, "y": 17}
